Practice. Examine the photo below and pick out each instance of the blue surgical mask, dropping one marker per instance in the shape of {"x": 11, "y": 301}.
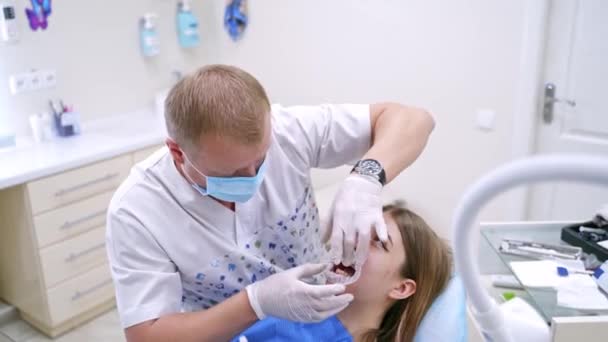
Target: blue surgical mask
{"x": 230, "y": 189}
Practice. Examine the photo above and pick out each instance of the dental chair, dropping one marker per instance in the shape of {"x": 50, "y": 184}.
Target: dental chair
{"x": 446, "y": 319}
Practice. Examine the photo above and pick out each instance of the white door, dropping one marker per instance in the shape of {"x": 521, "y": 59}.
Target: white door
{"x": 576, "y": 62}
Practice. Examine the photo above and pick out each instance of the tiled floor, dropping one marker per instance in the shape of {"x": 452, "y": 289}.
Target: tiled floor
{"x": 105, "y": 328}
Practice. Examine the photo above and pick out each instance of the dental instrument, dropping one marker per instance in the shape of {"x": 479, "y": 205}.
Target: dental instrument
{"x": 539, "y": 250}
{"x": 564, "y": 272}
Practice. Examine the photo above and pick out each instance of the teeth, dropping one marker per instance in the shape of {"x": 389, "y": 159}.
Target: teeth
{"x": 340, "y": 276}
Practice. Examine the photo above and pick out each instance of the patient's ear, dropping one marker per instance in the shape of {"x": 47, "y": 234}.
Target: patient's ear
{"x": 403, "y": 289}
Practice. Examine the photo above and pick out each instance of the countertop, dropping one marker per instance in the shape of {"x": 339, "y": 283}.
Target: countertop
{"x": 99, "y": 140}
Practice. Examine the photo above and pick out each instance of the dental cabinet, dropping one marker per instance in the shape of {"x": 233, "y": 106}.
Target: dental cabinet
{"x": 53, "y": 203}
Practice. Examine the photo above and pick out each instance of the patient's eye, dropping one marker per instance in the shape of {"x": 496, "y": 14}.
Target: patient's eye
{"x": 376, "y": 241}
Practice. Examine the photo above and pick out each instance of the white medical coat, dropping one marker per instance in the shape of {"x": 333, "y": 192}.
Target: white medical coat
{"x": 172, "y": 250}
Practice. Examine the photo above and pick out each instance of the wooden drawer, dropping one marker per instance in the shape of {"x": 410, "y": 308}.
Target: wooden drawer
{"x": 70, "y": 186}
{"x": 59, "y": 224}
{"x": 74, "y": 256}
{"x": 145, "y": 153}
{"x": 80, "y": 294}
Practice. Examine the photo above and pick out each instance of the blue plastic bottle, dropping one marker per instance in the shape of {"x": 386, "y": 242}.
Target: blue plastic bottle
{"x": 187, "y": 26}
{"x": 150, "y": 44}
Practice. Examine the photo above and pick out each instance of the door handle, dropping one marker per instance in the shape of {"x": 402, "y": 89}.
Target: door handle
{"x": 74, "y": 256}
{"x": 549, "y": 100}
{"x": 79, "y": 294}
{"x": 102, "y": 179}
{"x": 70, "y": 224}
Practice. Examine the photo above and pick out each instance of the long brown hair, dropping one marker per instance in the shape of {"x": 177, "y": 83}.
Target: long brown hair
{"x": 428, "y": 261}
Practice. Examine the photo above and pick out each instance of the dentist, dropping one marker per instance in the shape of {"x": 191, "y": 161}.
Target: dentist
{"x": 219, "y": 228}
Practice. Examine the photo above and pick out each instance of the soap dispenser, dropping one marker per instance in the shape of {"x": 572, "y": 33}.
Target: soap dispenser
{"x": 187, "y": 25}
{"x": 150, "y": 44}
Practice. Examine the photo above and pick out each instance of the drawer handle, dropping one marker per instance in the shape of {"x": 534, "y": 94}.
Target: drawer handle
{"x": 74, "y": 256}
{"x": 70, "y": 224}
{"x": 79, "y": 294}
{"x": 105, "y": 178}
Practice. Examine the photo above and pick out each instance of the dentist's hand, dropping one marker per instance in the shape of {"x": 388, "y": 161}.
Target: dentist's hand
{"x": 357, "y": 208}
{"x": 285, "y": 295}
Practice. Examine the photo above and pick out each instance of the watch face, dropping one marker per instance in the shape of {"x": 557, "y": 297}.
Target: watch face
{"x": 370, "y": 166}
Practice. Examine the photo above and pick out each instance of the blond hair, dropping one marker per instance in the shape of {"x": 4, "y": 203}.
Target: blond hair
{"x": 428, "y": 261}
{"x": 217, "y": 99}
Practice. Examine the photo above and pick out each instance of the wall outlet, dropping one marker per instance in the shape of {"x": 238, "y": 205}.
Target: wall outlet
{"x": 48, "y": 78}
{"x": 32, "y": 81}
{"x": 486, "y": 119}
{"x": 19, "y": 83}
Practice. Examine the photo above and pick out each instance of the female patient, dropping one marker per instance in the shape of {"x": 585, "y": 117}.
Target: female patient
{"x": 398, "y": 283}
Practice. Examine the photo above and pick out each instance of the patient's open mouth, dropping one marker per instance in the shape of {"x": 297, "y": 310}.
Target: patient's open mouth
{"x": 340, "y": 269}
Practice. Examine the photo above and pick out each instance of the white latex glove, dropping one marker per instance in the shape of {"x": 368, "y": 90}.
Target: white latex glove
{"x": 357, "y": 208}
{"x": 285, "y": 295}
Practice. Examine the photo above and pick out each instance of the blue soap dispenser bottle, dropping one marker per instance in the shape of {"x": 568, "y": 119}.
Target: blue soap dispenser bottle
{"x": 149, "y": 41}
{"x": 187, "y": 25}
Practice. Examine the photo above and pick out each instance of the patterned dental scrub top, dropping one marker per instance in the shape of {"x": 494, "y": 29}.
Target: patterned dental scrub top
{"x": 172, "y": 250}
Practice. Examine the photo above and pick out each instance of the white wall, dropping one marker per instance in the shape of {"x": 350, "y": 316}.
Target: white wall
{"x": 94, "y": 46}
{"x": 451, "y": 57}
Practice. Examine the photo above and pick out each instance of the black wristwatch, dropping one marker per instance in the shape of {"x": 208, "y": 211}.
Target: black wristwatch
{"x": 372, "y": 168}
